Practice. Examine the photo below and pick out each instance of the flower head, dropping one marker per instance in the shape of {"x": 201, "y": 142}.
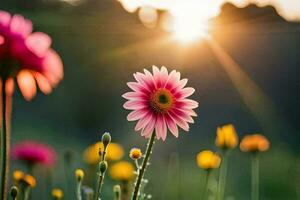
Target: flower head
{"x": 91, "y": 156}
{"x": 57, "y": 193}
{"x": 34, "y": 153}
{"x": 254, "y": 143}
{"x": 159, "y": 102}
{"x": 27, "y": 56}
{"x": 135, "y": 153}
{"x": 79, "y": 174}
{"x": 227, "y": 137}
{"x": 122, "y": 171}
{"x": 21, "y": 177}
{"x": 208, "y": 160}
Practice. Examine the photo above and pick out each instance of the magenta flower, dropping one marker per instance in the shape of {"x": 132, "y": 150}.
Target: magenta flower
{"x": 32, "y": 152}
{"x": 159, "y": 102}
{"x": 27, "y": 56}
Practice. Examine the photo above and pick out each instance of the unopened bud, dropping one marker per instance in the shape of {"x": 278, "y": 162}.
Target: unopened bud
{"x": 106, "y": 138}
{"x": 14, "y": 192}
{"x": 117, "y": 191}
{"x": 103, "y": 167}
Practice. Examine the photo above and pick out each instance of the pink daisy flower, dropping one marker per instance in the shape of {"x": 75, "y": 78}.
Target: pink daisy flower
{"x": 32, "y": 152}
{"x": 159, "y": 102}
{"x": 27, "y": 56}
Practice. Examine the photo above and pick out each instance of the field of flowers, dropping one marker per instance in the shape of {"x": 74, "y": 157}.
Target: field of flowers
{"x": 97, "y": 104}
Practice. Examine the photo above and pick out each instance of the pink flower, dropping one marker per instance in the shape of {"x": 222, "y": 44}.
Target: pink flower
{"x": 27, "y": 56}
{"x": 34, "y": 153}
{"x": 159, "y": 102}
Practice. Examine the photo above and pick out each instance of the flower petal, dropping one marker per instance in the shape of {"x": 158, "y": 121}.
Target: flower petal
{"x": 137, "y": 114}
{"x": 38, "y": 43}
{"x": 134, "y": 105}
{"x": 26, "y": 84}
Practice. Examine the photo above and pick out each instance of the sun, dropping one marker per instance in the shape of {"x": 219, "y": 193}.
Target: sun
{"x": 187, "y": 31}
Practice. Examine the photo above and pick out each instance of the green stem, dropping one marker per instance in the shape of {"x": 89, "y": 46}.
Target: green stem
{"x": 4, "y": 144}
{"x": 100, "y": 176}
{"x": 205, "y": 184}
{"x": 222, "y": 176}
{"x": 79, "y": 190}
{"x": 143, "y": 167}
{"x": 26, "y": 192}
{"x": 255, "y": 177}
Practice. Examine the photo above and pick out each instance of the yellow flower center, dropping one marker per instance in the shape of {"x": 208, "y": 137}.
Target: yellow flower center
{"x": 161, "y": 100}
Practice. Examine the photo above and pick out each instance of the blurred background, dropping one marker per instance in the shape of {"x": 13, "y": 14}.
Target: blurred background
{"x": 248, "y": 76}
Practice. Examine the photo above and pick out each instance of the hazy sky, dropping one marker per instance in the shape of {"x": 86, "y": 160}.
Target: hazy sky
{"x": 289, "y": 9}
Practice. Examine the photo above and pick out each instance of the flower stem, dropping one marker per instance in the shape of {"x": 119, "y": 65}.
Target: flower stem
{"x": 255, "y": 177}
{"x": 79, "y": 183}
{"x": 205, "y": 184}
{"x": 222, "y": 176}
{"x": 4, "y": 144}
{"x": 143, "y": 168}
{"x": 100, "y": 183}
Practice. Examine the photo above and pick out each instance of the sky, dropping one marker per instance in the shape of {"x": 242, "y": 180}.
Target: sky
{"x": 289, "y": 9}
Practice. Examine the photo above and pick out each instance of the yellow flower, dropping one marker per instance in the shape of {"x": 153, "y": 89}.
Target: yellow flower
{"x": 29, "y": 180}
{"x": 79, "y": 174}
{"x": 114, "y": 151}
{"x": 135, "y": 153}
{"x": 254, "y": 143}
{"x": 57, "y": 193}
{"x": 227, "y": 137}
{"x": 208, "y": 160}
{"x": 122, "y": 171}
{"x": 20, "y": 176}
{"x": 17, "y": 175}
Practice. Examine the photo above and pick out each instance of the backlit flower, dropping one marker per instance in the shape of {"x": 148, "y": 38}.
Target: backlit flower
{"x": 91, "y": 156}
{"x": 135, "y": 153}
{"x": 33, "y": 152}
{"x": 121, "y": 171}
{"x": 254, "y": 143}
{"x": 159, "y": 102}
{"x": 227, "y": 137}
{"x": 208, "y": 160}
{"x": 27, "y": 56}
{"x": 20, "y": 177}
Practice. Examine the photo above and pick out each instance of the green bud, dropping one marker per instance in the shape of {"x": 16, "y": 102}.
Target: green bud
{"x": 106, "y": 138}
{"x": 117, "y": 191}
{"x": 14, "y": 192}
{"x": 103, "y": 167}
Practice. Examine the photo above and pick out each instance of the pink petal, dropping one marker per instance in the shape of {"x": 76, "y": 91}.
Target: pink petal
{"x": 133, "y": 96}
{"x": 137, "y": 114}
{"x": 183, "y": 115}
{"x": 53, "y": 68}
{"x": 2, "y": 40}
{"x": 180, "y": 122}
{"x": 164, "y": 75}
{"x": 171, "y": 125}
{"x": 21, "y": 26}
{"x": 185, "y": 92}
{"x": 156, "y": 76}
{"x": 43, "y": 83}
{"x": 134, "y": 105}
{"x": 144, "y": 121}
{"x": 179, "y": 85}
{"x": 172, "y": 80}
{"x": 148, "y": 130}
{"x": 186, "y": 104}
{"x": 38, "y": 43}
{"x": 160, "y": 128}
{"x": 4, "y": 18}
{"x": 26, "y": 84}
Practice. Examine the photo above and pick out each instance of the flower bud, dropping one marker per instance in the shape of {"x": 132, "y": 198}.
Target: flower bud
{"x": 14, "y": 192}
{"x": 106, "y": 138}
{"x": 135, "y": 153}
{"x": 117, "y": 192}
{"x": 79, "y": 174}
{"x": 227, "y": 137}
{"x": 103, "y": 167}
{"x": 208, "y": 160}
